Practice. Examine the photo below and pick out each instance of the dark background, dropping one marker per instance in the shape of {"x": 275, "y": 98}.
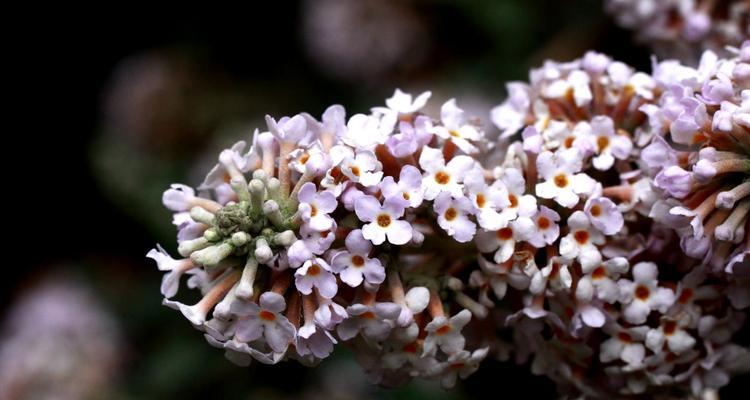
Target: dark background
{"x": 86, "y": 181}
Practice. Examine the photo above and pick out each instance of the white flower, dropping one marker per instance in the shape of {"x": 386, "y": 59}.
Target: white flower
{"x": 446, "y": 334}
{"x": 604, "y": 215}
{"x": 487, "y": 200}
{"x": 374, "y": 322}
{"x": 604, "y": 278}
{"x": 642, "y": 295}
{"x": 264, "y": 321}
{"x": 383, "y": 221}
{"x": 363, "y": 132}
{"x": 576, "y": 84}
{"x": 624, "y": 344}
{"x": 546, "y": 230}
{"x": 673, "y": 334}
{"x": 408, "y": 190}
{"x": 288, "y": 130}
{"x": 314, "y": 207}
{"x": 504, "y": 240}
{"x": 581, "y": 243}
{"x": 316, "y": 273}
{"x": 456, "y": 128}
{"x": 400, "y": 104}
{"x": 363, "y": 168}
{"x": 453, "y": 216}
{"x": 171, "y": 281}
{"x": 607, "y": 144}
{"x": 354, "y": 265}
{"x": 562, "y": 182}
{"x": 314, "y": 340}
{"x": 461, "y": 364}
{"x": 439, "y": 177}
{"x": 518, "y": 204}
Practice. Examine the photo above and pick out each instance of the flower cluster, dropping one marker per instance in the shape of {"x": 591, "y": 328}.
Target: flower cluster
{"x": 317, "y": 234}
{"x": 628, "y": 311}
{"x": 609, "y": 236}
{"x": 684, "y": 27}
{"x": 700, "y": 157}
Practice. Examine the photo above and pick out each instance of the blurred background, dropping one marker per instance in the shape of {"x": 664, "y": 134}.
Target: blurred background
{"x": 125, "y": 100}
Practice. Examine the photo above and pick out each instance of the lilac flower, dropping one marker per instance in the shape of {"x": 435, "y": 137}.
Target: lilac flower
{"x": 439, "y": 176}
{"x": 314, "y": 207}
{"x": 445, "y": 333}
{"x": 171, "y": 281}
{"x": 642, "y": 294}
{"x": 503, "y": 241}
{"x": 607, "y": 144}
{"x": 463, "y": 364}
{"x": 329, "y": 313}
{"x": 287, "y": 130}
{"x": 453, "y": 216}
{"x": 511, "y": 115}
{"x": 675, "y": 181}
{"x": 363, "y": 168}
{"x": 401, "y": 104}
{"x": 487, "y": 200}
{"x": 316, "y": 273}
{"x": 373, "y": 322}
{"x": 624, "y": 344}
{"x": 673, "y": 334}
{"x": 403, "y": 143}
{"x": 581, "y": 243}
{"x": 408, "y": 190}
{"x": 604, "y": 215}
{"x": 547, "y": 230}
{"x": 519, "y": 203}
{"x": 312, "y": 243}
{"x": 383, "y": 221}
{"x": 264, "y": 320}
{"x": 354, "y": 265}
{"x": 562, "y": 180}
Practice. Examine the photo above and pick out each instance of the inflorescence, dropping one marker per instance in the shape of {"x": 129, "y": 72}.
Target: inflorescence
{"x": 606, "y": 237}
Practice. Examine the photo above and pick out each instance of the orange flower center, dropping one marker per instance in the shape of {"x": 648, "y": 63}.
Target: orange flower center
{"x": 543, "y": 223}
{"x": 450, "y": 214}
{"x": 504, "y": 234}
{"x": 568, "y": 143}
{"x": 582, "y": 237}
{"x": 267, "y": 315}
{"x": 561, "y": 180}
{"x": 443, "y": 330}
{"x": 642, "y": 292}
{"x": 384, "y": 220}
{"x": 358, "y": 261}
{"x": 442, "y": 178}
{"x": 670, "y": 327}
{"x": 602, "y": 142}
{"x": 313, "y": 270}
{"x": 313, "y": 210}
{"x": 596, "y": 210}
{"x": 355, "y": 170}
{"x": 481, "y": 201}
{"x": 599, "y": 273}
{"x": 624, "y": 337}
{"x": 513, "y": 200}
{"x": 368, "y": 315}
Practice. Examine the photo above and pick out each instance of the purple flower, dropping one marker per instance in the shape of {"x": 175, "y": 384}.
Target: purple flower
{"x": 453, "y": 216}
{"x": 604, "y": 215}
{"x": 373, "y": 322}
{"x": 354, "y": 265}
{"x": 383, "y": 221}
{"x": 264, "y": 321}
{"x": 316, "y": 273}
{"x": 440, "y": 177}
{"x": 408, "y": 190}
{"x": 314, "y": 207}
